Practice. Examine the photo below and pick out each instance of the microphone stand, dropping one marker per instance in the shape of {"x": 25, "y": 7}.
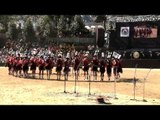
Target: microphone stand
{"x": 144, "y": 85}
{"x": 65, "y": 85}
{"x": 134, "y": 83}
{"x": 115, "y": 84}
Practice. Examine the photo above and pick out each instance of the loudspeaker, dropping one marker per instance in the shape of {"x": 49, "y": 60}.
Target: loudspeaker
{"x": 100, "y": 37}
{"x": 112, "y": 40}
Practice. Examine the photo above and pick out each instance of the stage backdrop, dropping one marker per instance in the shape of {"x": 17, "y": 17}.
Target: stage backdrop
{"x": 130, "y": 35}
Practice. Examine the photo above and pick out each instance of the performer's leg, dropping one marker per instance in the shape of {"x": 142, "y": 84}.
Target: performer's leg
{"x": 50, "y": 72}
{"x": 39, "y": 74}
{"x": 87, "y": 75}
{"x": 57, "y": 75}
{"x": 42, "y": 74}
{"x": 47, "y": 74}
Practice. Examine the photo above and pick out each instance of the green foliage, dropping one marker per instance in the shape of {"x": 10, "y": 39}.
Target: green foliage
{"x": 4, "y": 20}
{"x": 78, "y": 27}
{"x": 3, "y": 40}
{"x": 100, "y": 18}
{"x": 12, "y": 32}
{"x": 29, "y": 32}
{"x": 42, "y": 28}
{"x": 61, "y": 26}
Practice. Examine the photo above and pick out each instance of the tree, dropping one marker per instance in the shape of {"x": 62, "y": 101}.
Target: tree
{"x": 12, "y": 32}
{"x": 68, "y": 25}
{"x": 69, "y": 20}
{"x": 61, "y": 26}
{"x": 29, "y": 32}
{"x": 4, "y": 20}
{"x": 78, "y": 27}
{"x": 49, "y": 28}
{"x": 45, "y": 29}
{"x": 20, "y": 32}
{"x": 101, "y": 18}
{"x": 3, "y": 40}
{"x": 55, "y": 20}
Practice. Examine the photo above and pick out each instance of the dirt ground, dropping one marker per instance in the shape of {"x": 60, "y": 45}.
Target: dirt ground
{"x": 21, "y": 91}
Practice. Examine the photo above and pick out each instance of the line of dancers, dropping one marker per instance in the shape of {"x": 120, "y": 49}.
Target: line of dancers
{"x": 19, "y": 66}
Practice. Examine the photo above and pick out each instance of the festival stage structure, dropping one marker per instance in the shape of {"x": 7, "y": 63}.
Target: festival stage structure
{"x": 137, "y": 42}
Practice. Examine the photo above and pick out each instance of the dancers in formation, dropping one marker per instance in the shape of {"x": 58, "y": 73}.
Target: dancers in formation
{"x": 93, "y": 64}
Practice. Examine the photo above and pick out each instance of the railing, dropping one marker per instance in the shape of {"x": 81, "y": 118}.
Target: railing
{"x": 74, "y": 40}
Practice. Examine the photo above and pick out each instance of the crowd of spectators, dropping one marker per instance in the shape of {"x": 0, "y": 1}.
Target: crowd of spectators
{"x": 15, "y": 47}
